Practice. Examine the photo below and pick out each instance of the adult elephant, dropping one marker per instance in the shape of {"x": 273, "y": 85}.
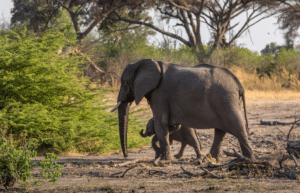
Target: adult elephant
{"x": 204, "y": 96}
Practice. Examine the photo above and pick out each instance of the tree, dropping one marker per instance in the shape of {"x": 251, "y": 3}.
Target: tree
{"x": 271, "y": 48}
{"x": 37, "y": 15}
{"x": 289, "y": 20}
{"x": 190, "y": 14}
{"x": 95, "y": 12}
{"x": 114, "y": 30}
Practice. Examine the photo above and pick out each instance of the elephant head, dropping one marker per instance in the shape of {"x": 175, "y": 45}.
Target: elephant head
{"x": 137, "y": 80}
{"x": 149, "y": 129}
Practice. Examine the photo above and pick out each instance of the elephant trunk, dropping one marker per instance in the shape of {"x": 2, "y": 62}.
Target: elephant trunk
{"x": 123, "y": 111}
{"x": 144, "y": 134}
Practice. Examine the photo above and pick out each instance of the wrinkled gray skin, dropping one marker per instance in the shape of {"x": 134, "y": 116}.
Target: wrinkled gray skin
{"x": 204, "y": 96}
{"x": 185, "y": 135}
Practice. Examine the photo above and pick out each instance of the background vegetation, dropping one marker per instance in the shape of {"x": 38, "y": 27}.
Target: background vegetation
{"x": 59, "y": 62}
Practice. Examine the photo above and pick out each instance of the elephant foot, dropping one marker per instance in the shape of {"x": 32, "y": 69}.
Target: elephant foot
{"x": 159, "y": 162}
{"x": 178, "y": 156}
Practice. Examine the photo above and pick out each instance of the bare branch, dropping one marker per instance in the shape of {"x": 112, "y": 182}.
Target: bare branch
{"x": 155, "y": 28}
{"x": 123, "y": 29}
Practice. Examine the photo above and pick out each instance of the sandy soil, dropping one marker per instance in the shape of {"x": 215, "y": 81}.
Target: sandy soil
{"x": 102, "y": 173}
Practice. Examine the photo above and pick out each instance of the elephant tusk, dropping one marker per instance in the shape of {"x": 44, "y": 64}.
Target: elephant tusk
{"x": 117, "y": 105}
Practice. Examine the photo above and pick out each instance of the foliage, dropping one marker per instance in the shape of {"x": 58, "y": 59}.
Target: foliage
{"x": 39, "y": 16}
{"x": 42, "y": 95}
{"x": 15, "y": 164}
{"x": 287, "y": 58}
{"x": 236, "y": 56}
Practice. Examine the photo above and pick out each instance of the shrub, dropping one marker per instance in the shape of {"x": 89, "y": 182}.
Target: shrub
{"x": 42, "y": 96}
{"x": 15, "y": 164}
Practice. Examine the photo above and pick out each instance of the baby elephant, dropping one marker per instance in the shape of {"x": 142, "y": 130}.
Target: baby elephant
{"x": 183, "y": 134}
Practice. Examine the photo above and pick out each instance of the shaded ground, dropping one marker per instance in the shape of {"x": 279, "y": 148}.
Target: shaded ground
{"x": 102, "y": 173}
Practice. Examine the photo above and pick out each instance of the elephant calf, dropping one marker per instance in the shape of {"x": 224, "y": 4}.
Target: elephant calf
{"x": 183, "y": 134}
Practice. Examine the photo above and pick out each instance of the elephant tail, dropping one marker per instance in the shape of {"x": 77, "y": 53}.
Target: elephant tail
{"x": 242, "y": 94}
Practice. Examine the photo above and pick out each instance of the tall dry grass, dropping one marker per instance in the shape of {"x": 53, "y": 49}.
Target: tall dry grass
{"x": 279, "y": 86}
{"x": 279, "y": 81}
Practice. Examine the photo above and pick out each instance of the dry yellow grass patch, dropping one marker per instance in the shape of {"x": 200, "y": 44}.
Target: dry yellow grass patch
{"x": 258, "y": 88}
{"x": 277, "y": 82}
{"x": 274, "y": 95}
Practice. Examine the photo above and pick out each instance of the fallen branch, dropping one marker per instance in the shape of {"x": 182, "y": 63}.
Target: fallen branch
{"x": 127, "y": 171}
{"x": 116, "y": 174}
{"x": 156, "y": 171}
{"x": 212, "y": 165}
{"x": 262, "y": 122}
{"x": 212, "y": 174}
{"x": 187, "y": 172}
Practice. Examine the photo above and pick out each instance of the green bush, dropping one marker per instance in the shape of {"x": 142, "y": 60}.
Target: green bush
{"x": 15, "y": 164}
{"x": 42, "y": 95}
{"x": 287, "y": 58}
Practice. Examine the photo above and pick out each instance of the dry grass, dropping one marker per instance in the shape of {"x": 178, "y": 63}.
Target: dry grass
{"x": 274, "y": 87}
{"x": 273, "y": 95}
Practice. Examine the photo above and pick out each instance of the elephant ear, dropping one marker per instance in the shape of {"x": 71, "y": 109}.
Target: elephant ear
{"x": 147, "y": 78}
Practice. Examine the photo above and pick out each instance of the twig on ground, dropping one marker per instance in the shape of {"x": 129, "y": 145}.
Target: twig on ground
{"x": 157, "y": 171}
{"x": 187, "y": 172}
{"x": 212, "y": 165}
{"x": 127, "y": 171}
{"x": 212, "y": 174}
{"x": 116, "y": 174}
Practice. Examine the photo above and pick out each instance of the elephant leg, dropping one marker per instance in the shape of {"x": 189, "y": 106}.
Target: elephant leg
{"x": 244, "y": 143}
{"x": 235, "y": 125}
{"x": 162, "y": 133}
{"x": 194, "y": 141}
{"x": 216, "y": 146}
{"x": 180, "y": 153}
{"x": 156, "y": 147}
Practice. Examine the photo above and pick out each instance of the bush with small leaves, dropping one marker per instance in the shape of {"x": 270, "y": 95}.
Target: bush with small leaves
{"x": 15, "y": 164}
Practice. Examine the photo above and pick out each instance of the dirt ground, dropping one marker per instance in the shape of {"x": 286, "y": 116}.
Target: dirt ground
{"x": 103, "y": 174}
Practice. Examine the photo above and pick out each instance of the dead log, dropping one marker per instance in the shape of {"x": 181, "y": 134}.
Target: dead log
{"x": 262, "y": 122}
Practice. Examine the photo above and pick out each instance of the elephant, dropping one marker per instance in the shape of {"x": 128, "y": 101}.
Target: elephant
{"x": 201, "y": 97}
{"x": 179, "y": 133}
